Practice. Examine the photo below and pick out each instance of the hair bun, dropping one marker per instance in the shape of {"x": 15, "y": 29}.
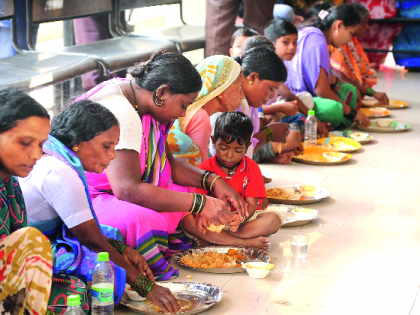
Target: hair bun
{"x": 238, "y": 59}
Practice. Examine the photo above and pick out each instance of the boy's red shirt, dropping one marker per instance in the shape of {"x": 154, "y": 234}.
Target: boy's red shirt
{"x": 247, "y": 181}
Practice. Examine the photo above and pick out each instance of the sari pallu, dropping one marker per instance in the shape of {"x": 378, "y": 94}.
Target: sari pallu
{"x": 351, "y": 60}
{"x": 70, "y": 257}
{"x": 217, "y": 73}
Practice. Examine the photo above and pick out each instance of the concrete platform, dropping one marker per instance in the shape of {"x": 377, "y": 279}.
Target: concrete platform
{"x": 364, "y": 251}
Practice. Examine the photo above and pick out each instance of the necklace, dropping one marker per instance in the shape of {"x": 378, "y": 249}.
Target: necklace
{"x": 231, "y": 171}
{"x": 134, "y": 95}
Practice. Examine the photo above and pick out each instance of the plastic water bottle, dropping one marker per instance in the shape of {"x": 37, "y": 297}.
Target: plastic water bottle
{"x": 310, "y": 129}
{"x": 103, "y": 286}
{"x": 73, "y": 305}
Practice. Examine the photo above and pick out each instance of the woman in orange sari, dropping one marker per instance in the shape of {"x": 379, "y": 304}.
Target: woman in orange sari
{"x": 351, "y": 63}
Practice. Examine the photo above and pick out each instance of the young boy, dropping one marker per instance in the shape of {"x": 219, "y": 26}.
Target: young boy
{"x": 231, "y": 139}
{"x": 284, "y": 36}
{"x": 238, "y": 38}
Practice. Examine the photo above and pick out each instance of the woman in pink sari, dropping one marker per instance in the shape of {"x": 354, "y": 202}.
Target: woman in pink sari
{"x": 136, "y": 193}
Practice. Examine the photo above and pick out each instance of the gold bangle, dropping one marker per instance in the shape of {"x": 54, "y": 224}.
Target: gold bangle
{"x": 279, "y": 148}
{"x": 192, "y": 207}
{"x": 212, "y": 183}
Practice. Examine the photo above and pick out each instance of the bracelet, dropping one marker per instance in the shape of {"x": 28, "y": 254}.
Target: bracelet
{"x": 350, "y": 116}
{"x": 142, "y": 285}
{"x": 369, "y": 91}
{"x": 198, "y": 204}
{"x": 204, "y": 178}
{"x": 268, "y": 132}
{"x": 212, "y": 183}
{"x": 118, "y": 245}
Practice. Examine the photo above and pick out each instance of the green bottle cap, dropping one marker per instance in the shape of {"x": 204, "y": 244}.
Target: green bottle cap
{"x": 311, "y": 112}
{"x": 73, "y": 300}
{"x": 103, "y": 256}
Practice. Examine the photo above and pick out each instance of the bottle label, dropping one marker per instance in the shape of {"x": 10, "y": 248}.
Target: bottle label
{"x": 103, "y": 294}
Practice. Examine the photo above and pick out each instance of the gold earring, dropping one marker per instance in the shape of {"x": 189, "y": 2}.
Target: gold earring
{"x": 220, "y": 97}
{"x": 76, "y": 149}
{"x": 250, "y": 82}
{"x": 158, "y": 101}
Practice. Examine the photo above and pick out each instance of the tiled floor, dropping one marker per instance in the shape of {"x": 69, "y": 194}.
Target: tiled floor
{"x": 364, "y": 251}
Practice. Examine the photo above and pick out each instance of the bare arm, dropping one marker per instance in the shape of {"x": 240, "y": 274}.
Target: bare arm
{"x": 252, "y": 203}
{"x": 289, "y": 96}
{"x": 346, "y": 79}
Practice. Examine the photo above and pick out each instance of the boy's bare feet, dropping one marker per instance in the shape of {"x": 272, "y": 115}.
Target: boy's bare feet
{"x": 201, "y": 243}
{"x": 258, "y": 242}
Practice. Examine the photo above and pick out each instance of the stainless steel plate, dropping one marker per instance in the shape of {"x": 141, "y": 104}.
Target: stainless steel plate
{"x": 321, "y": 194}
{"x": 287, "y": 217}
{"x": 252, "y": 254}
{"x": 193, "y": 298}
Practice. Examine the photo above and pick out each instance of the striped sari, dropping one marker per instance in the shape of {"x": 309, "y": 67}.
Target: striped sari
{"x": 25, "y": 257}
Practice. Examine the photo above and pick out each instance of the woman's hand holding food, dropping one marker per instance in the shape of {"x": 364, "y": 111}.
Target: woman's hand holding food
{"x": 362, "y": 119}
{"x": 215, "y": 211}
{"x": 163, "y": 298}
{"x": 226, "y": 193}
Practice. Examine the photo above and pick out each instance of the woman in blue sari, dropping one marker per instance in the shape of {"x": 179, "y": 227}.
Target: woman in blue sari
{"x": 83, "y": 138}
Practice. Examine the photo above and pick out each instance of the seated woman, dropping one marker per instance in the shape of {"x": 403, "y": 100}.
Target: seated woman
{"x": 25, "y": 254}
{"x": 83, "y": 138}
{"x": 136, "y": 193}
{"x": 351, "y": 63}
{"x": 221, "y": 91}
{"x": 264, "y": 72}
{"x": 309, "y": 70}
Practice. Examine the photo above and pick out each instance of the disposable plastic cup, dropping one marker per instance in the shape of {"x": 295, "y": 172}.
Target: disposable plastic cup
{"x": 299, "y": 245}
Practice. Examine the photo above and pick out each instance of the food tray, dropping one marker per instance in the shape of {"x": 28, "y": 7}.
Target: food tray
{"x": 321, "y": 194}
{"x": 249, "y": 253}
{"x": 334, "y": 143}
{"x": 361, "y": 137}
{"x": 193, "y": 298}
{"x": 318, "y": 151}
{"x": 393, "y": 104}
{"x": 287, "y": 217}
{"x": 369, "y": 112}
{"x": 394, "y": 127}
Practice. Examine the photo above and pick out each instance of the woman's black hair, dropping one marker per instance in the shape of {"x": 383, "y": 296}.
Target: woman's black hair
{"x": 16, "y": 105}
{"x": 233, "y": 126}
{"x": 82, "y": 121}
{"x": 169, "y": 68}
{"x": 342, "y": 12}
{"x": 256, "y": 41}
{"x": 278, "y": 28}
{"x": 316, "y": 8}
{"x": 361, "y": 10}
{"x": 264, "y": 61}
{"x": 244, "y": 31}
